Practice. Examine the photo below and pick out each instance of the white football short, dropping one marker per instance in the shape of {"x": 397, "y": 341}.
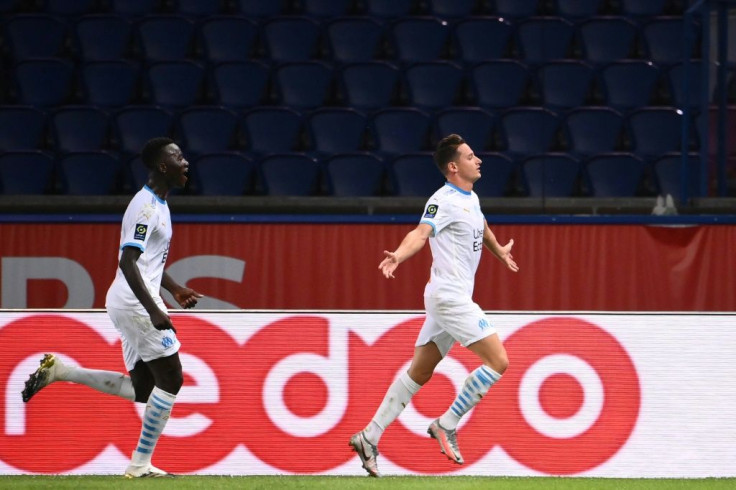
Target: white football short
{"x": 140, "y": 339}
{"x": 453, "y": 320}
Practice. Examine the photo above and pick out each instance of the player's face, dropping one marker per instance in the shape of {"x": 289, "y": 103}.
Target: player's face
{"x": 177, "y": 167}
{"x": 468, "y": 165}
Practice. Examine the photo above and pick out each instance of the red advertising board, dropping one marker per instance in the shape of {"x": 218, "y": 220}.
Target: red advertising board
{"x": 334, "y": 266}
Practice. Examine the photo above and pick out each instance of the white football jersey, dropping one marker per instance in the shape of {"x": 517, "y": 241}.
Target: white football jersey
{"x": 456, "y": 240}
{"x": 146, "y": 226}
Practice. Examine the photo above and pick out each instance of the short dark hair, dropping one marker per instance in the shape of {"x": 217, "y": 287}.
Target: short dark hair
{"x": 446, "y": 151}
{"x": 151, "y": 151}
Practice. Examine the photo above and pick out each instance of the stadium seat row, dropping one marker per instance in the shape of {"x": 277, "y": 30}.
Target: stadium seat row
{"x": 532, "y": 40}
{"x": 497, "y": 84}
{"x": 649, "y": 131}
{"x": 344, "y": 174}
{"x": 333, "y": 8}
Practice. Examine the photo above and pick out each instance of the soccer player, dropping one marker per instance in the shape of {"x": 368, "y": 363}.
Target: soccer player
{"x": 134, "y": 304}
{"x": 457, "y": 231}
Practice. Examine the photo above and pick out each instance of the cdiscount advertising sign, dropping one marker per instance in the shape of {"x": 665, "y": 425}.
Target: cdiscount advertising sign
{"x": 610, "y": 395}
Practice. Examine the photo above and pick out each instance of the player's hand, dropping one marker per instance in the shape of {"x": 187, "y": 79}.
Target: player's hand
{"x": 186, "y": 297}
{"x": 507, "y": 258}
{"x": 161, "y": 321}
{"x": 389, "y": 264}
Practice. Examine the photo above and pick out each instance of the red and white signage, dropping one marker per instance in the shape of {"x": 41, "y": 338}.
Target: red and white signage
{"x": 609, "y": 395}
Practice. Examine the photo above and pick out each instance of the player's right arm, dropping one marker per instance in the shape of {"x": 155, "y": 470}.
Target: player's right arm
{"x": 132, "y": 274}
{"x": 412, "y": 243}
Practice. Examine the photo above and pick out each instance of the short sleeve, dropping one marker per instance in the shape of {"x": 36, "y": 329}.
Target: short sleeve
{"x": 138, "y": 225}
{"x": 437, "y": 215}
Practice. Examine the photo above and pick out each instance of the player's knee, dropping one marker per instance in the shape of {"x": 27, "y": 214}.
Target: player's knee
{"x": 171, "y": 382}
{"x": 501, "y": 364}
{"x": 142, "y": 388}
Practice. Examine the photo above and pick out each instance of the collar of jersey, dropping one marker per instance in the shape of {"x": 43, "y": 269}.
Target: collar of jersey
{"x": 467, "y": 193}
{"x": 162, "y": 201}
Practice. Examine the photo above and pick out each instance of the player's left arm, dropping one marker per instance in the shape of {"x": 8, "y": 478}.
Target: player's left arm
{"x": 502, "y": 252}
{"x": 186, "y": 297}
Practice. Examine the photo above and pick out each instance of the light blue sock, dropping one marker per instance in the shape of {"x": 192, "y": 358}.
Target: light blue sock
{"x": 474, "y": 389}
{"x": 158, "y": 410}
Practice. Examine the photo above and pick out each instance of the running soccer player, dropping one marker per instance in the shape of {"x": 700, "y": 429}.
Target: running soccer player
{"x": 134, "y": 304}
{"x": 457, "y": 232}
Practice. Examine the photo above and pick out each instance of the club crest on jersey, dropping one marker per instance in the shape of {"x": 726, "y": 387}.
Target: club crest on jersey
{"x": 431, "y": 211}
{"x": 140, "y": 232}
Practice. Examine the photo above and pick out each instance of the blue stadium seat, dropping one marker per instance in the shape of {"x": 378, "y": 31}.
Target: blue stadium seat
{"x": 240, "y": 85}
{"x": 629, "y": 84}
{"x": 565, "y": 84}
{"x": 322, "y": 9}
{"x": 496, "y": 171}
{"x": 290, "y": 175}
{"x": 138, "y": 172}
{"x": 355, "y": 174}
{"x": 474, "y": 124}
{"x": 550, "y": 175}
{"x": 89, "y": 173}
{"x": 433, "y": 84}
{"x": 79, "y": 128}
{"x": 44, "y": 82}
{"x": 500, "y": 83}
{"x": 135, "y": 125}
{"x": 614, "y": 174}
{"x": 291, "y": 38}
{"x": 607, "y": 39}
{"x": 110, "y": 83}
{"x": 663, "y": 39}
{"x": 25, "y": 172}
{"x": 369, "y": 85}
{"x": 224, "y": 174}
{"x": 388, "y": 9}
{"x": 198, "y": 8}
{"x": 483, "y": 38}
{"x": 516, "y": 8}
{"x": 593, "y": 130}
{"x": 529, "y": 130}
{"x": 303, "y": 85}
{"x": 451, "y": 9}
{"x": 419, "y": 38}
{"x": 35, "y": 36}
{"x": 271, "y": 129}
{"x": 668, "y": 171}
{"x": 261, "y": 9}
{"x": 9, "y": 6}
{"x": 69, "y": 7}
{"x": 676, "y": 77}
{"x": 175, "y": 84}
{"x": 400, "y": 130}
{"x": 416, "y": 175}
{"x": 643, "y": 8}
{"x": 23, "y": 128}
{"x": 655, "y": 130}
{"x": 103, "y": 37}
{"x": 134, "y": 8}
{"x": 354, "y": 39}
{"x": 165, "y": 37}
{"x": 544, "y": 39}
{"x": 228, "y": 38}
{"x": 336, "y": 130}
{"x": 579, "y": 9}
{"x": 207, "y": 129}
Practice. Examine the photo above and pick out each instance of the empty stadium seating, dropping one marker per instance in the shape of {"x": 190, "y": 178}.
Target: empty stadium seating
{"x": 340, "y": 82}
